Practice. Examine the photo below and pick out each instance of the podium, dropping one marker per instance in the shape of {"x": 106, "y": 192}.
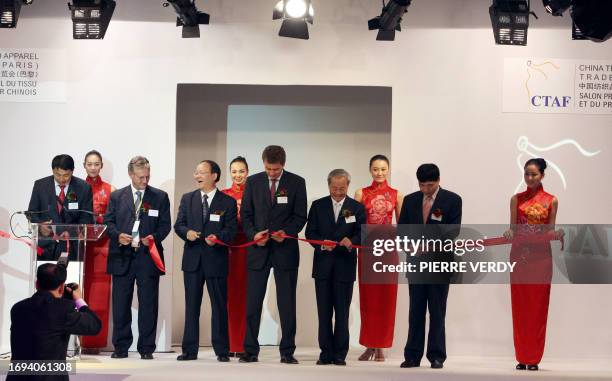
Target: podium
{"x": 68, "y": 242}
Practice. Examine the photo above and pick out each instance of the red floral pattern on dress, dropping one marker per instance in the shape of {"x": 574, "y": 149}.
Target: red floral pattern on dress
{"x": 236, "y": 192}
{"x": 101, "y": 196}
{"x": 379, "y": 201}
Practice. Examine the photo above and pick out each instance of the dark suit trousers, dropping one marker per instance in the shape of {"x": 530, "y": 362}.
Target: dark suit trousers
{"x": 148, "y": 301}
{"x": 333, "y": 297}
{"x": 423, "y": 296}
{"x": 217, "y": 291}
{"x": 257, "y": 283}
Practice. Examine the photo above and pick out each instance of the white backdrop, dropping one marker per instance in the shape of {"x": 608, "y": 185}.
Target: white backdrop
{"x": 446, "y": 74}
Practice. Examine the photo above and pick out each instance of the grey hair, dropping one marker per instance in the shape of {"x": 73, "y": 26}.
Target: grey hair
{"x": 338, "y": 173}
{"x": 138, "y": 162}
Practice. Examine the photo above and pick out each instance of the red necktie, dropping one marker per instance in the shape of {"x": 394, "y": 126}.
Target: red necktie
{"x": 427, "y": 208}
{"x": 61, "y": 199}
{"x": 273, "y": 189}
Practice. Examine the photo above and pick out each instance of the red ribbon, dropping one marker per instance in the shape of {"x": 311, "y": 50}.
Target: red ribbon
{"x": 312, "y": 241}
{"x": 155, "y": 254}
{"x": 6, "y": 235}
{"x": 536, "y": 238}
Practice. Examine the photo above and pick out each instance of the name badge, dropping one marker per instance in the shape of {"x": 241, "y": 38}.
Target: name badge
{"x": 282, "y": 200}
{"x": 153, "y": 213}
{"x": 350, "y": 219}
{"x": 433, "y": 217}
{"x": 73, "y": 206}
{"x": 135, "y": 227}
{"x": 215, "y": 217}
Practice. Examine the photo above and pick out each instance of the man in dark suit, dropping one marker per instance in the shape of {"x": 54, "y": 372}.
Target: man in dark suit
{"x": 435, "y": 213}
{"x": 41, "y": 325}
{"x": 60, "y": 199}
{"x": 136, "y": 215}
{"x": 336, "y": 218}
{"x": 273, "y": 205}
{"x": 206, "y": 214}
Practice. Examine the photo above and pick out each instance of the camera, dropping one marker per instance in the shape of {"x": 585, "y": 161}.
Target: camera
{"x": 68, "y": 290}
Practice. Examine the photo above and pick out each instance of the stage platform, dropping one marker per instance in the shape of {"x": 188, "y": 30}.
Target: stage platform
{"x": 457, "y": 368}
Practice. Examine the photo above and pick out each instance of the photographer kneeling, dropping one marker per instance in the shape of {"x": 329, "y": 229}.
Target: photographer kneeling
{"x": 41, "y": 325}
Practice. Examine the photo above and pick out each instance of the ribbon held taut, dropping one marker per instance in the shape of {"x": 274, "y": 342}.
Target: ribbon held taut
{"x": 311, "y": 241}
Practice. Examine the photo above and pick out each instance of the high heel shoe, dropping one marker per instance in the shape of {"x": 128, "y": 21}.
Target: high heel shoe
{"x": 520, "y": 366}
{"x": 367, "y": 355}
{"x": 532, "y": 367}
{"x": 379, "y": 355}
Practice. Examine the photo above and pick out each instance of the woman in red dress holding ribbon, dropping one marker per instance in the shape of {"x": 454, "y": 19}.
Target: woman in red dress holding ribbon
{"x": 378, "y": 301}
{"x": 237, "y": 275}
{"x": 96, "y": 280}
{"x": 533, "y": 214}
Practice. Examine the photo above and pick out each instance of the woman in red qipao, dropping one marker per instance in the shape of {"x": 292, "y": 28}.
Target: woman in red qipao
{"x": 378, "y": 301}
{"x": 237, "y": 275}
{"x": 96, "y": 281}
{"x": 532, "y": 213}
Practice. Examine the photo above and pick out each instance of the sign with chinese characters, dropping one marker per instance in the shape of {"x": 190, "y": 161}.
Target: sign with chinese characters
{"x": 32, "y": 75}
{"x": 545, "y": 85}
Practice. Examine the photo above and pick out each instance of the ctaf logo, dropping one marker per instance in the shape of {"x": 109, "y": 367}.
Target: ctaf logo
{"x": 542, "y": 100}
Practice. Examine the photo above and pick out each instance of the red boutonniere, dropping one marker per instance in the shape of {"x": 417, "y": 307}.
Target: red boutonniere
{"x": 219, "y": 212}
{"x": 282, "y": 192}
{"x": 347, "y": 213}
{"x": 145, "y": 207}
{"x": 437, "y": 213}
{"x": 71, "y": 196}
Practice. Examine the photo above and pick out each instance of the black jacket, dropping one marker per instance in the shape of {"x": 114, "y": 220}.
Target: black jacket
{"x": 120, "y": 217}
{"x": 339, "y": 264}
{"x": 259, "y": 213}
{"x": 44, "y": 199}
{"x": 41, "y": 327}
{"x": 198, "y": 253}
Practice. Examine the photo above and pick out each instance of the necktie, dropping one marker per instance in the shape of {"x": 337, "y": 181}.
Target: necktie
{"x": 61, "y": 199}
{"x": 273, "y": 189}
{"x": 427, "y": 208}
{"x": 336, "y": 211}
{"x": 204, "y": 209}
{"x": 137, "y": 203}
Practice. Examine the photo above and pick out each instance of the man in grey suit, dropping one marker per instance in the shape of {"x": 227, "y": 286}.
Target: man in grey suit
{"x": 273, "y": 205}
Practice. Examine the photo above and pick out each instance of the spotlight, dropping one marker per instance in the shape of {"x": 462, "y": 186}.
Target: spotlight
{"x": 556, "y": 7}
{"x": 592, "y": 20}
{"x": 9, "y": 12}
{"x": 188, "y": 17}
{"x": 295, "y": 14}
{"x": 90, "y": 18}
{"x": 510, "y": 21}
{"x": 389, "y": 20}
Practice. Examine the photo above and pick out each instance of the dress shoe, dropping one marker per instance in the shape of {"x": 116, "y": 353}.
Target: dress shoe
{"x": 186, "y": 357}
{"x": 437, "y": 364}
{"x": 410, "y": 364}
{"x": 223, "y": 358}
{"x": 532, "y": 367}
{"x": 520, "y": 366}
{"x": 248, "y": 358}
{"x": 289, "y": 359}
{"x": 119, "y": 355}
{"x": 339, "y": 362}
{"x": 146, "y": 356}
{"x": 323, "y": 362}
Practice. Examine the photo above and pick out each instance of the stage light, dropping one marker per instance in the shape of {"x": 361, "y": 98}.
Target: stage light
{"x": 9, "y": 12}
{"x": 389, "y": 20}
{"x": 295, "y": 15}
{"x": 592, "y": 20}
{"x": 556, "y": 7}
{"x": 189, "y": 17}
{"x": 510, "y": 21}
{"x": 90, "y": 18}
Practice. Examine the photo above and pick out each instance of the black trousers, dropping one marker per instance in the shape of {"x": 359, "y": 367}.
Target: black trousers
{"x": 333, "y": 297}
{"x": 422, "y": 297}
{"x": 148, "y": 302}
{"x": 286, "y": 283}
{"x": 217, "y": 291}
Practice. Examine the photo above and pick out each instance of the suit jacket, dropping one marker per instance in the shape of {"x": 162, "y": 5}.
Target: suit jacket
{"x": 41, "y": 327}
{"x": 259, "y": 212}
{"x": 448, "y": 205}
{"x": 44, "y": 199}
{"x": 198, "y": 253}
{"x": 120, "y": 217}
{"x": 339, "y": 264}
